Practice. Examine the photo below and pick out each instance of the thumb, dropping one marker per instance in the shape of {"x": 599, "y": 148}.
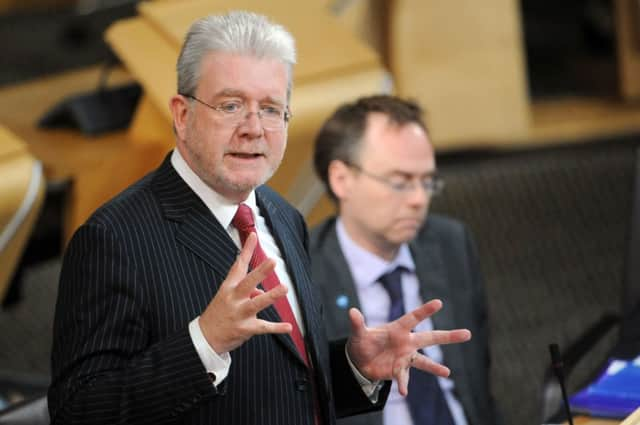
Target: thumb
{"x": 357, "y": 321}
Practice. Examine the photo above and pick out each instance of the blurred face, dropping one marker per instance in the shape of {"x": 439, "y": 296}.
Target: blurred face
{"x": 232, "y": 158}
{"x": 376, "y": 216}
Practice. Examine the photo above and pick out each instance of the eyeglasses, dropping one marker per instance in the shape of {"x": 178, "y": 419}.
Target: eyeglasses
{"x": 432, "y": 185}
{"x": 234, "y": 112}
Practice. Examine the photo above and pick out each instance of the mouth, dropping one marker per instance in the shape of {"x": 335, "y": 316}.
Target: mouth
{"x": 410, "y": 221}
{"x": 245, "y": 155}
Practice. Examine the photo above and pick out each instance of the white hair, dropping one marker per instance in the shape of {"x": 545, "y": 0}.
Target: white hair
{"x": 236, "y": 32}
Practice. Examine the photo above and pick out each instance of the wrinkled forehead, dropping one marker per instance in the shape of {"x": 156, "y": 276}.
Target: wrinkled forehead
{"x": 244, "y": 72}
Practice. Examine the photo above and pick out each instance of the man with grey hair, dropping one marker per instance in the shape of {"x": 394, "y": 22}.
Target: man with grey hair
{"x": 187, "y": 298}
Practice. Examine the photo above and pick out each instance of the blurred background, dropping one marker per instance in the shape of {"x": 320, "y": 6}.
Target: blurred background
{"x": 532, "y": 106}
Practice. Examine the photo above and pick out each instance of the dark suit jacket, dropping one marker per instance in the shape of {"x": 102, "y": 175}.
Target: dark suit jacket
{"x": 447, "y": 268}
{"x": 141, "y": 268}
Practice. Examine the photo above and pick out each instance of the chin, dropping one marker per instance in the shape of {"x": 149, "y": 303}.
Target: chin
{"x": 404, "y": 235}
{"x": 233, "y": 189}
{"x": 243, "y": 181}
{"x": 244, "y": 186}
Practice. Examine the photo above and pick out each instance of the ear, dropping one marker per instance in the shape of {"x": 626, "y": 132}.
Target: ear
{"x": 340, "y": 178}
{"x": 180, "y": 110}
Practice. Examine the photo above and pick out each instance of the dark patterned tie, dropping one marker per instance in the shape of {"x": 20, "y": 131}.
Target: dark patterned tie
{"x": 426, "y": 401}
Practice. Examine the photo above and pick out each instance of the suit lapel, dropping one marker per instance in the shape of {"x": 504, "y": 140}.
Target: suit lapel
{"x": 341, "y": 293}
{"x": 203, "y": 235}
{"x": 431, "y": 273}
{"x": 198, "y": 230}
{"x": 292, "y": 251}
{"x": 427, "y": 257}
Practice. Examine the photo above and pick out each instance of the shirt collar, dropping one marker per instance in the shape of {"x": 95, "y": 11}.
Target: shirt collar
{"x": 366, "y": 267}
{"x": 222, "y": 208}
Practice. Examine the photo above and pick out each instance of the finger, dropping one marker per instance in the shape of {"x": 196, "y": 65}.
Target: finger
{"x": 428, "y": 365}
{"x": 249, "y": 282}
{"x": 248, "y": 247}
{"x": 411, "y": 319}
{"x": 256, "y": 292}
{"x": 427, "y": 338}
{"x": 262, "y": 301}
{"x": 241, "y": 265}
{"x": 401, "y": 375}
{"x": 266, "y": 327}
{"x": 357, "y": 322}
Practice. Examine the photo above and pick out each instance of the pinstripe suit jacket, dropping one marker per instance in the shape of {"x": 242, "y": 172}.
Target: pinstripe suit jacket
{"x": 141, "y": 268}
{"x": 447, "y": 268}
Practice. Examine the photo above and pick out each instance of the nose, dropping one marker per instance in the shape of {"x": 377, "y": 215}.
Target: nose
{"x": 418, "y": 196}
{"x": 251, "y": 126}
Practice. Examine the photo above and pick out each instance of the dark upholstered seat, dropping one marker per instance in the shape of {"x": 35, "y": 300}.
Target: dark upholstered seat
{"x": 552, "y": 228}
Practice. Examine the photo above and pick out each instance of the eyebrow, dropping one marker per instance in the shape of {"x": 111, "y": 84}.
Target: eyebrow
{"x": 238, "y": 93}
{"x": 431, "y": 173}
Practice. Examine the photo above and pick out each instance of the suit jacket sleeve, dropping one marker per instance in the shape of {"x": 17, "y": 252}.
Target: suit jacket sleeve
{"x": 348, "y": 395}
{"x": 101, "y": 358}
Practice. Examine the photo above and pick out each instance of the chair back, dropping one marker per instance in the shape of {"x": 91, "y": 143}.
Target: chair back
{"x": 21, "y": 197}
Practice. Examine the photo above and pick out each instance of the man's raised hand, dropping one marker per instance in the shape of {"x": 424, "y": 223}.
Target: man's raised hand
{"x": 390, "y": 350}
{"x": 231, "y": 317}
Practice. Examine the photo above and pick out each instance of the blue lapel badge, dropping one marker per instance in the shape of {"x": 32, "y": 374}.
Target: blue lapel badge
{"x": 342, "y": 301}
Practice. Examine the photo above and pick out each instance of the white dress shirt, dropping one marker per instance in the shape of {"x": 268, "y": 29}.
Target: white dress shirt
{"x": 366, "y": 268}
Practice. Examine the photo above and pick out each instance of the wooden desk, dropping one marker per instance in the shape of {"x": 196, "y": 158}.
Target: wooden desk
{"x": 98, "y": 167}
{"x": 585, "y": 420}
{"x": 632, "y": 419}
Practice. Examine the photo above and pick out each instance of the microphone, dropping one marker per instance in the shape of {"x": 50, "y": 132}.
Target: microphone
{"x": 557, "y": 365}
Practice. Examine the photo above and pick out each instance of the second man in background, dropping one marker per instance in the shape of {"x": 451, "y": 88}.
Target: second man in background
{"x": 383, "y": 255}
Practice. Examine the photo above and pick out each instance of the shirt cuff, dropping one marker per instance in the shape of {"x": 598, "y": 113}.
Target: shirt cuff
{"x": 370, "y": 388}
{"x": 217, "y": 364}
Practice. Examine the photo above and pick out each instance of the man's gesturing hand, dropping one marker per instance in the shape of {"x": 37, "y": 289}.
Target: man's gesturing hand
{"x": 230, "y": 318}
{"x": 390, "y": 350}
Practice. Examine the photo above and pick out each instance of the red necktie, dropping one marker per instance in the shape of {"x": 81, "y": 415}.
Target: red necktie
{"x": 243, "y": 221}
